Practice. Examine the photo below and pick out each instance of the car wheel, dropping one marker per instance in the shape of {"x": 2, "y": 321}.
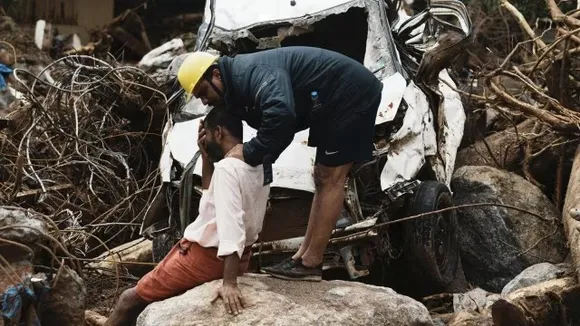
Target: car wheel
{"x": 431, "y": 247}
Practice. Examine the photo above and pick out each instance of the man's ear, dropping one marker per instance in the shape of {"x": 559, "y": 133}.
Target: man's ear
{"x": 216, "y": 73}
{"x": 220, "y": 133}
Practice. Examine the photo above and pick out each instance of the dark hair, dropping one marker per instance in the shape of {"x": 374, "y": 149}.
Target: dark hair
{"x": 220, "y": 117}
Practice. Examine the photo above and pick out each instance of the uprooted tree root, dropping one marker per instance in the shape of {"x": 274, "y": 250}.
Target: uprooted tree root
{"x": 550, "y": 82}
{"x": 539, "y": 80}
{"x": 85, "y": 149}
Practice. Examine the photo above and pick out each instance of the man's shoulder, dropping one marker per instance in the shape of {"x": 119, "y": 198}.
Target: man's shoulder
{"x": 231, "y": 164}
{"x": 238, "y": 171}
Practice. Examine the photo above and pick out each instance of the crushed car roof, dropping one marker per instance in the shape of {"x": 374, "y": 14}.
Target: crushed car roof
{"x": 240, "y": 14}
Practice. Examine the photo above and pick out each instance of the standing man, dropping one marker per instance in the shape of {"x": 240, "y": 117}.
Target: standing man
{"x": 285, "y": 90}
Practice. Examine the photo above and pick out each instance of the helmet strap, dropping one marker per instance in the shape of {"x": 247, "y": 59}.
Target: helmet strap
{"x": 208, "y": 77}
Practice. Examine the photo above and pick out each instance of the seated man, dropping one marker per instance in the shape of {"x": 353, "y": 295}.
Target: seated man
{"x": 217, "y": 244}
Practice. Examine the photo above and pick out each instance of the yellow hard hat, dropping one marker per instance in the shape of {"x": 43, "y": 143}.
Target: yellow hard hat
{"x": 193, "y": 68}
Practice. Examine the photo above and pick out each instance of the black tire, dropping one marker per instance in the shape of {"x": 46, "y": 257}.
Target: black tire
{"x": 431, "y": 247}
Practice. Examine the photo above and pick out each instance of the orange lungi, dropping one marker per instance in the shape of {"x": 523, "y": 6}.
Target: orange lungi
{"x": 183, "y": 269}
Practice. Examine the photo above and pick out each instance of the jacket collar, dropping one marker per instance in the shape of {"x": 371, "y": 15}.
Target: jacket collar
{"x": 224, "y": 66}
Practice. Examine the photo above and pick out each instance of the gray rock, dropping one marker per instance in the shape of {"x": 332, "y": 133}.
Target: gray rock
{"x": 498, "y": 243}
{"x": 536, "y": 274}
{"x": 22, "y": 226}
{"x": 437, "y": 321}
{"x": 475, "y": 300}
{"x": 464, "y": 318}
{"x": 277, "y": 302}
{"x": 65, "y": 303}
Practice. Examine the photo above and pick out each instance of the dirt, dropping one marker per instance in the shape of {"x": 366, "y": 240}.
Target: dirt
{"x": 23, "y": 42}
{"x": 103, "y": 291}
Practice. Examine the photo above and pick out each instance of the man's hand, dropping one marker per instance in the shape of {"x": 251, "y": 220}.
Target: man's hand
{"x": 229, "y": 291}
{"x": 232, "y": 296}
{"x": 201, "y": 141}
{"x": 237, "y": 152}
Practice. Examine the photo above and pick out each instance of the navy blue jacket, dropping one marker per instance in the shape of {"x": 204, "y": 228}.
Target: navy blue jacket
{"x": 271, "y": 89}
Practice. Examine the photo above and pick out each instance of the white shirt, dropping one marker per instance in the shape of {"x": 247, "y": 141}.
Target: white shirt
{"x": 232, "y": 209}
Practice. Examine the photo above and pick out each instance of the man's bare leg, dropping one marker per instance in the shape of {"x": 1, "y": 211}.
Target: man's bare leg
{"x": 326, "y": 208}
{"x": 311, "y": 221}
{"x": 128, "y": 308}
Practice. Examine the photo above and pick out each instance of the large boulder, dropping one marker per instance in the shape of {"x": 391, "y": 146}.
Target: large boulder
{"x": 25, "y": 227}
{"x": 498, "y": 243}
{"x": 65, "y": 302}
{"x": 537, "y": 274}
{"x": 277, "y": 302}
{"x": 474, "y": 300}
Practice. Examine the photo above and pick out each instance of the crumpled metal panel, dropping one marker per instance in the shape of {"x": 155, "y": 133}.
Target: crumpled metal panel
{"x": 453, "y": 127}
{"x": 394, "y": 87}
{"x": 380, "y": 53}
{"x": 415, "y": 140}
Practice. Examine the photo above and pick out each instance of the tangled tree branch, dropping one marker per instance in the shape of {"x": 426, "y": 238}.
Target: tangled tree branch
{"x": 548, "y": 85}
{"x": 85, "y": 149}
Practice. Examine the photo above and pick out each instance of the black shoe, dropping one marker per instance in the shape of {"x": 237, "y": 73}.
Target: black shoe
{"x": 286, "y": 263}
{"x": 296, "y": 271}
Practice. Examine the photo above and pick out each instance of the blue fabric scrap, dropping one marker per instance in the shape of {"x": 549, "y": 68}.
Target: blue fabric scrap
{"x": 12, "y": 300}
{"x": 5, "y": 71}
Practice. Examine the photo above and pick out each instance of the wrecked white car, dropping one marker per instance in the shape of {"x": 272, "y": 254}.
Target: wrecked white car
{"x": 418, "y": 130}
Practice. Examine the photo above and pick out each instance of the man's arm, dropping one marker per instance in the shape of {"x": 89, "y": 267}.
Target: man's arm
{"x": 272, "y": 90}
{"x": 206, "y": 162}
{"x": 230, "y": 293}
{"x": 231, "y": 234}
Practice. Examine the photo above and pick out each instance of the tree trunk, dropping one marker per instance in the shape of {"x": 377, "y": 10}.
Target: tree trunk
{"x": 505, "y": 148}
{"x": 571, "y": 226}
{"x": 549, "y": 303}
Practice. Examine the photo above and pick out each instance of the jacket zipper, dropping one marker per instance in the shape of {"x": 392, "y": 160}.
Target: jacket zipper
{"x": 264, "y": 84}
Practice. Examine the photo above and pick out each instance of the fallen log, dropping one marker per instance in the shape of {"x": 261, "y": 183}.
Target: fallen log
{"x": 572, "y": 203}
{"x": 549, "y": 303}
{"x": 135, "y": 257}
{"x": 503, "y": 149}
{"x": 528, "y": 148}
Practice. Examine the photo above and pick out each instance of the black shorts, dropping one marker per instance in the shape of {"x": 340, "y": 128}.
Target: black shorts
{"x": 347, "y": 142}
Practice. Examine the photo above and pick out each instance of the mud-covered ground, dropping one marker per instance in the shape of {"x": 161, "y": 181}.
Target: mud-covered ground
{"x": 103, "y": 291}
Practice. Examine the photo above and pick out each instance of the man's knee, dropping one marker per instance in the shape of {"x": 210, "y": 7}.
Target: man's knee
{"x": 325, "y": 176}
